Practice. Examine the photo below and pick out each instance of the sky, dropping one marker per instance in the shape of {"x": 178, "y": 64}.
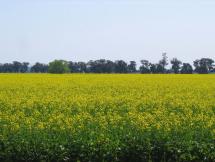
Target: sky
{"x": 83, "y": 30}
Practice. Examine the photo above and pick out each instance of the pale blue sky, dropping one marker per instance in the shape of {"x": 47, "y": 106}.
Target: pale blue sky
{"x": 80, "y": 30}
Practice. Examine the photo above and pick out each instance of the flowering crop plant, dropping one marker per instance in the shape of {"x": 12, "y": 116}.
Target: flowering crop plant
{"x": 107, "y": 117}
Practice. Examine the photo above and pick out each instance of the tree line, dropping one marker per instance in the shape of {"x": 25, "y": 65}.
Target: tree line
{"x": 201, "y": 66}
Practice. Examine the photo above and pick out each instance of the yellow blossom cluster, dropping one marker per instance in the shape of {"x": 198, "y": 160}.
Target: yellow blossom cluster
{"x": 90, "y": 117}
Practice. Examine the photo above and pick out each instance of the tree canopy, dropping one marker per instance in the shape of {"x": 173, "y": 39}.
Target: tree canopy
{"x": 58, "y": 67}
{"x": 200, "y": 66}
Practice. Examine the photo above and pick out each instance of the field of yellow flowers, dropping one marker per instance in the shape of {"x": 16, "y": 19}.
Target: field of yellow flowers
{"x": 107, "y": 117}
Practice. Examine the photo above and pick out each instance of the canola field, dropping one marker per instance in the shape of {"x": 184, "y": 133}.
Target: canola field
{"x": 107, "y": 117}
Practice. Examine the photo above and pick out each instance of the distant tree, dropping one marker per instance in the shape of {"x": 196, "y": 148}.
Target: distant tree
{"x": 58, "y": 67}
{"x": 24, "y": 67}
{"x": 77, "y": 67}
{"x": 91, "y": 67}
{"x": 110, "y": 66}
{"x": 213, "y": 70}
{"x": 156, "y": 68}
{"x": 160, "y": 69}
{"x": 186, "y": 69}
{"x": 121, "y": 66}
{"x": 162, "y": 63}
{"x": 95, "y": 66}
{"x": 82, "y": 67}
{"x": 39, "y": 68}
{"x": 132, "y": 67}
{"x": 100, "y": 66}
{"x": 73, "y": 67}
{"x": 7, "y": 68}
{"x": 176, "y": 65}
{"x": 203, "y": 66}
{"x": 1, "y": 68}
{"x": 153, "y": 68}
{"x": 145, "y": 67}
{"x": 17, "y": 66}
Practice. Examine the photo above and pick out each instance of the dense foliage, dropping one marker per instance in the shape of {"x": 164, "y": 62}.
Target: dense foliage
{"x": 108, "y": 118}
{"x": 200, "y": 66}
{"x": 58, "y": 67}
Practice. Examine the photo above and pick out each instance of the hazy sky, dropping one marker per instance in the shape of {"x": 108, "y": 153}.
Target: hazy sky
{"x": 80, "y": 30}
